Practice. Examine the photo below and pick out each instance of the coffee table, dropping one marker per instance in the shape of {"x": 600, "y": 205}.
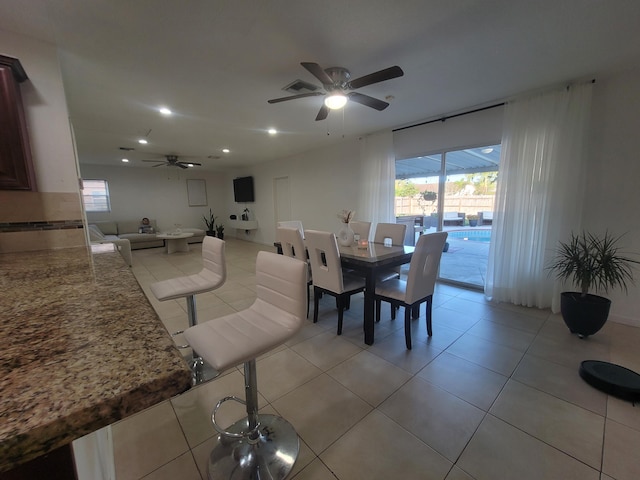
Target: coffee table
{"x": 176, "y": 242}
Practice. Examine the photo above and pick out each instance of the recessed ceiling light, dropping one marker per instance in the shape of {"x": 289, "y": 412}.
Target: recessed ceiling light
{"x": 189, "y": 164}
{"x": 225, "y": 150}
{"x": 487, "y": 151}
{"x": 272, "y": 131}
{"x": 143, "y": 141}
{"x": 125, "y": 160}
{"x": 165, "y": 111}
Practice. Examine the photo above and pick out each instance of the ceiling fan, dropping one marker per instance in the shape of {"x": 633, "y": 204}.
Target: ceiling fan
{"x": 172, "y": 161}
{"x": 338, "y": 85}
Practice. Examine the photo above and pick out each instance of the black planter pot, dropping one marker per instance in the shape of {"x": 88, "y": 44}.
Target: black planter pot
{"x": 584, "y": 315}
{"x": 211, "y": 233}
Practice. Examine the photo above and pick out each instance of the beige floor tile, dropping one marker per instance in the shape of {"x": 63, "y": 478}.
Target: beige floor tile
{"x": 493, "y": 356}
{"x": 394, "y": 350}
{"x": 458, "y": 474}
{"x": 441, "y": 420}
{"x": 456, "y": 319}
{"x": 282, "y": 372}
{"x": 184, "y": 467}
{"x": 502, "y": 334}
{"x": 569, "y": 350}
{"x": 308, "y": 330}
{"x": 146, "y": 441}
{"x": 520, "y": 320}
{"x": 326, "y": 350}
{"x": 193, "y": 408}
{"x": 378, "y": 448}
{"x": 621, "y": 452}
{"x": 370, "y": 377}
{"x": 560, "y": 381}
{"x": 501, "y": 451}
{"x": 316, "y": 470}
{"x": 469, "y": 381}
{"x": 567, "y": 427}
{"x": 321, "y": 411}
{"x": 623, "y": 411}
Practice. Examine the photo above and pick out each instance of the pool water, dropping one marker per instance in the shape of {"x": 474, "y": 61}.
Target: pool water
{"x": 483, "y": 236}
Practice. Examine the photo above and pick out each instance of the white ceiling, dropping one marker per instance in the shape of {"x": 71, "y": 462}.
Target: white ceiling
{"x": 216, "y": 63}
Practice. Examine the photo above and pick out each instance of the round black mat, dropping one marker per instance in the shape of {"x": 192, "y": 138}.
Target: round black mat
{"x": 612, "y": 379}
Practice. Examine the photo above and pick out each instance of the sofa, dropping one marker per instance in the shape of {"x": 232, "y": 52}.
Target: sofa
{"x": 128, "y": 230}
{"x": 485, "y": 218}
{"x": 453, "y": 218}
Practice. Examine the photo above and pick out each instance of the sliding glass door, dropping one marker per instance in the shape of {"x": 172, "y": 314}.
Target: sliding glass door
{"x": 452, "y": 191}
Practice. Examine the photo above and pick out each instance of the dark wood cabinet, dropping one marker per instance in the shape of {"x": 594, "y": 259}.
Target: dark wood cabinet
{"x": 16, "y": 167}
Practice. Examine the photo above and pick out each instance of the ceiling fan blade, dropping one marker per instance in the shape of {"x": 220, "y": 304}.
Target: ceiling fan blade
{"x": 178, "y": 164}
{"x": 161, "y": 161}
{"x": 186, "y": 164}
{"x": 160, "y": 165}
{"x": 317, "y": 71}
{"x": 293, "y": 97}
{"x": 380, "y": 76}
{"x": 368, "y": 101}
{"x": 323, "y": 113}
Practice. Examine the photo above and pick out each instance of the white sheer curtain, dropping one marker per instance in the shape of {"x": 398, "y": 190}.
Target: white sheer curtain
{"x": 539, "y": 194}
{"x": 376, "y": 202}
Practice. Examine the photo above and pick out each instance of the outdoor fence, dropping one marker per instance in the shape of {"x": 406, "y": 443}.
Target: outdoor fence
{"x": 469, "y": 204}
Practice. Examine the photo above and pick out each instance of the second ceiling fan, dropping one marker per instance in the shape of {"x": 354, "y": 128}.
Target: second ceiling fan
{"x": 338, "y": 86}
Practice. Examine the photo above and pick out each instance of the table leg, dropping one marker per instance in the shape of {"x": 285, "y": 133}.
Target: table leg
{"x": 369, "y": 306}
{"x": 177, "y": 245}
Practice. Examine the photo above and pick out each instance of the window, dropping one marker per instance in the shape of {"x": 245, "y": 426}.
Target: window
{"x": 95, "y": 195}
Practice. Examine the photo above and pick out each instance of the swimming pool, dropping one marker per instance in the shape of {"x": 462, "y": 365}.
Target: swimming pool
{"x": 480, "y": 235}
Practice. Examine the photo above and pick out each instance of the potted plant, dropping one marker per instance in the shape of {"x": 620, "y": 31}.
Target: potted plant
{"x": 211, "y": 224}
{"x": 220, "y": 231}
{"x": 473, "y": 220}
{"x": 591, "y": 262}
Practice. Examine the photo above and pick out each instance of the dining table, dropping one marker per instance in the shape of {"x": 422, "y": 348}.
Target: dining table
{"x": 369, "y": 259}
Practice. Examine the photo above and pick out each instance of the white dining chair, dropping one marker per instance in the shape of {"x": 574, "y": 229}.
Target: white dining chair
{"x": 327, "y": 273}
{"x": 361, "y": 229}
{"x": 292, "y": 245}
{"x": 396, "y": 232}
{"x": 292, "y": 224}
{"x": 418, "y": 286}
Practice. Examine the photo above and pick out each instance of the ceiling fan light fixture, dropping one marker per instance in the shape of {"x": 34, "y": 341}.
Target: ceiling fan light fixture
{"x": 335, "y": 101}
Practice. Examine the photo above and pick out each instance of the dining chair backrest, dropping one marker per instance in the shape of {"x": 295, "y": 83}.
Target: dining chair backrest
{"x": 291, "y": 242}
{"x": 361, "y": 228}
{"x": 394, "y": 231}
{"x": 423, "y": 268}
{"x": 292, "y": 224}
{"x": 326, "y": 269}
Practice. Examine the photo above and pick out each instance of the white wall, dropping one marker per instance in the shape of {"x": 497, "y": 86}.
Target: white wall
{"x": 613, "y": 191}
{"x": 46, "y": 111}
{"x": 159, "y": 193}
{"x": 323, "y": 182}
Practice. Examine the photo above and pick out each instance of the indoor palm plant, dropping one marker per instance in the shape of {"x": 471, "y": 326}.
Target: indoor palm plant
{"x": 210, "y": 221}
{"x": 590, "y": 262}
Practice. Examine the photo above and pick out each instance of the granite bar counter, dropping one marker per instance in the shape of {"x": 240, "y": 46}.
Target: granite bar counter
{"x": 81, "y": 348}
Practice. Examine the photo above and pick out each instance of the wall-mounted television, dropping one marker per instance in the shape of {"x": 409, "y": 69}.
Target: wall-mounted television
{"x": 243, "y": 189}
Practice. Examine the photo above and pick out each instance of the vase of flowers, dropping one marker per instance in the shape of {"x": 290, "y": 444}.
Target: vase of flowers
{"x": 345, "y": 234}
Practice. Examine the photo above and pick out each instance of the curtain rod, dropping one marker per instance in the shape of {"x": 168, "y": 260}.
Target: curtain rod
{"x": 442, "y": 119}
{"x": 447, "y": 117}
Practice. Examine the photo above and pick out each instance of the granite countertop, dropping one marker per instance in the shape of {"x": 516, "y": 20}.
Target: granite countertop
{"x": 81, "y": 348}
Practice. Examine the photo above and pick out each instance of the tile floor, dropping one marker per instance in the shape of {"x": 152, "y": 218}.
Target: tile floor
{"x": 494, "y": 394}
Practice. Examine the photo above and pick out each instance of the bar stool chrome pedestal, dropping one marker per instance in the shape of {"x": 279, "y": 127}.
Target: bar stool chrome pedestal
{"x": 212, "y": 276}
{"x": 258, "y": 446}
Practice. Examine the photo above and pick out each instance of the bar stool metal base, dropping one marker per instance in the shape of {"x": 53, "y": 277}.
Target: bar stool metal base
{"x": 271, "y": 456}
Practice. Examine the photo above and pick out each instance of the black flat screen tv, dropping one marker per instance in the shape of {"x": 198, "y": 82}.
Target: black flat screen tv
{"x": 243, "y": 189}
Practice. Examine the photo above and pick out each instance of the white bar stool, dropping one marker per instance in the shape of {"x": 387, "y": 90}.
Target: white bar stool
{"x": 264, "y": 446}
{"x": 212, "y": 276}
